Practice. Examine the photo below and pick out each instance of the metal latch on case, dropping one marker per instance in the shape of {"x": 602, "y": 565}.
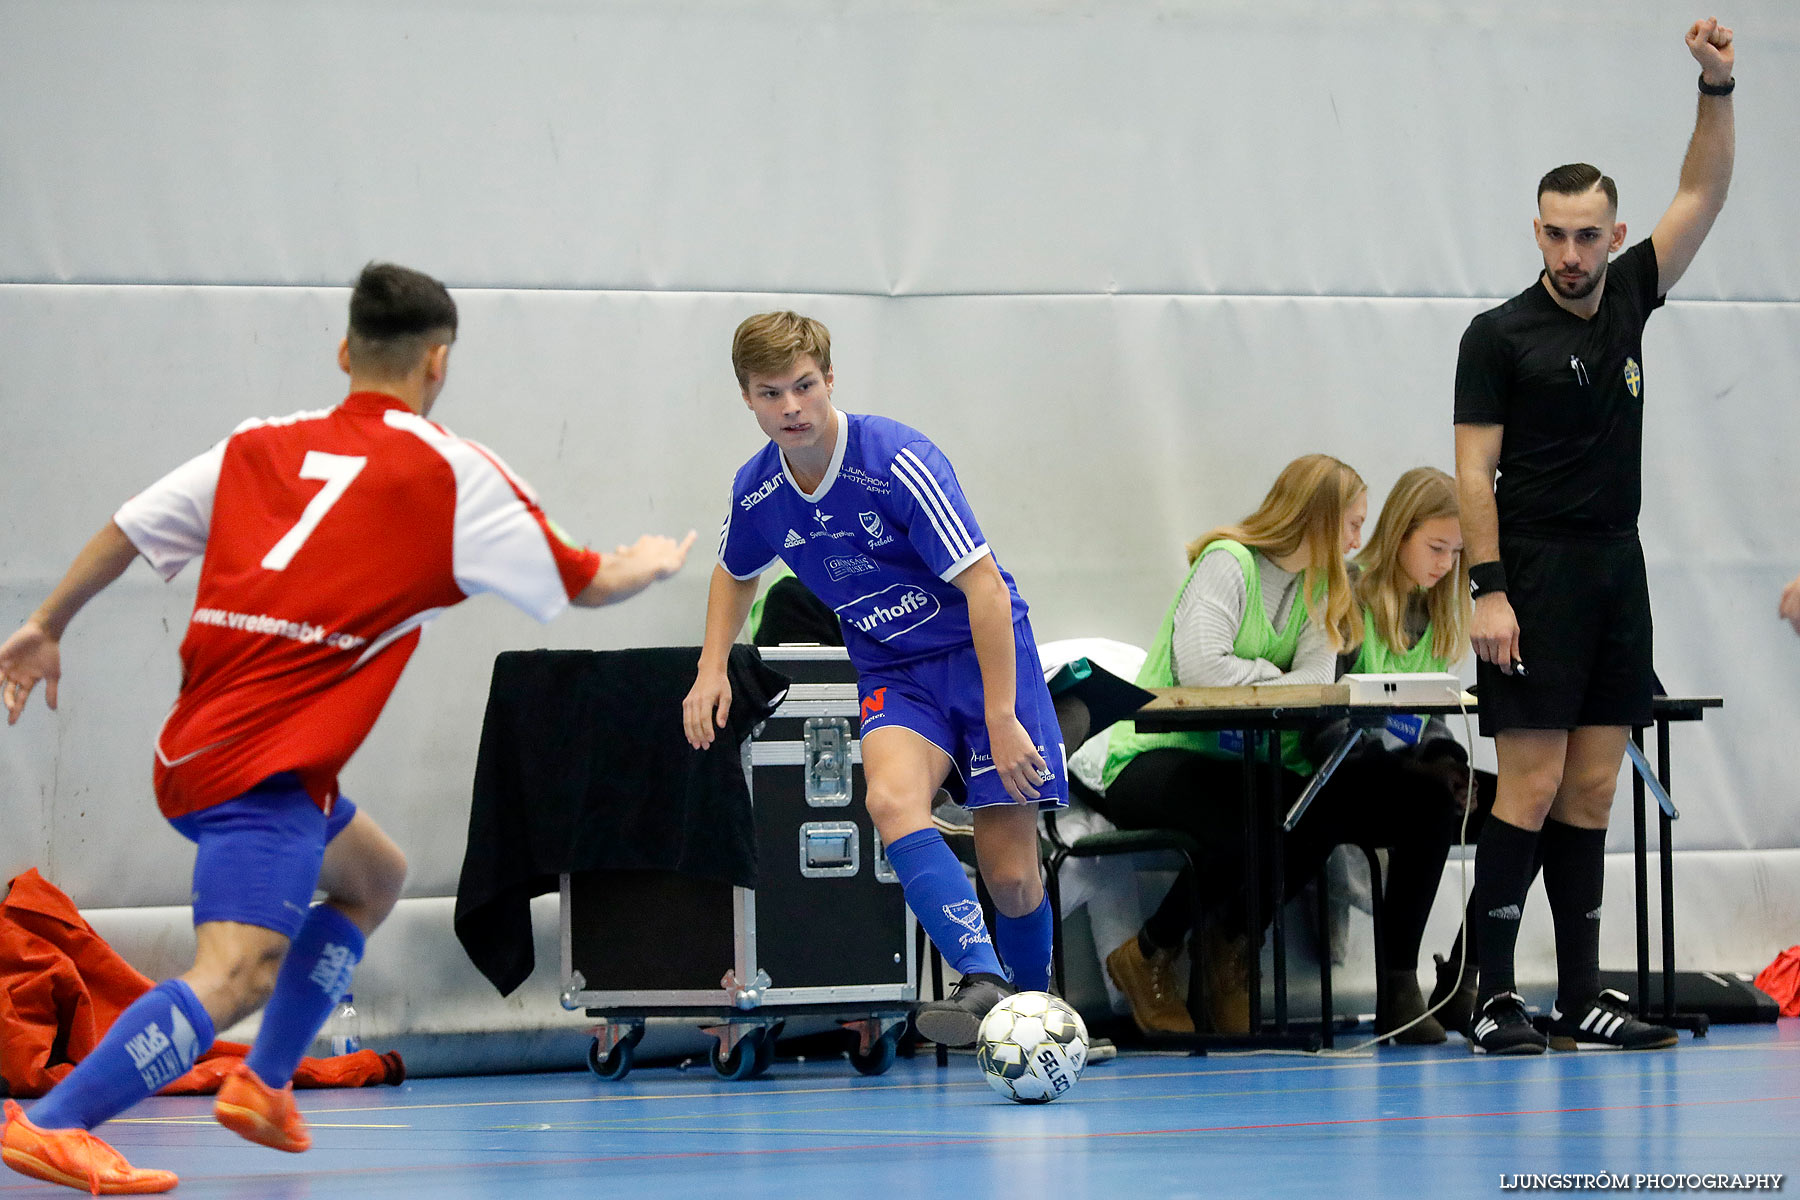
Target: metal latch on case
{"x": 827, "y": 761}
{"x": 829, "y": 849}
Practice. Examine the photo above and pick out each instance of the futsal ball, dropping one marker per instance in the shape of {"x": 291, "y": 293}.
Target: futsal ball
{"x": 1032, "y": 1047}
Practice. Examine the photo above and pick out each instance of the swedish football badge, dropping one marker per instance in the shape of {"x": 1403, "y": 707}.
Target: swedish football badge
{"x": 1634, "y": 378}
{"x": 871, "y": 523}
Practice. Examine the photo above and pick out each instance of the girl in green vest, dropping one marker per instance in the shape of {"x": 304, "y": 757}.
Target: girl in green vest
{"x": 1413, "y": 590}
{"x": 1265, "y": 601}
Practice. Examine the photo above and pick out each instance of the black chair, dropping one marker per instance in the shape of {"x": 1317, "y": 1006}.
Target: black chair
{"x": 1058, "y": 851}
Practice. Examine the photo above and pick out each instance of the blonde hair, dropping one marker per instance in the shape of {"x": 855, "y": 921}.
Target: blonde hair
{"x": 1422, "y": 494}
{"x": 1305, "y": 510}
{"x": 769, "y": 343}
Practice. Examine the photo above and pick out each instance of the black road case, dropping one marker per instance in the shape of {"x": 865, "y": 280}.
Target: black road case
{"x": 825, "y": 935}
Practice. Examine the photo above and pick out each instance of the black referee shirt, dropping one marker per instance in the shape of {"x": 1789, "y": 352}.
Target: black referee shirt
{"x": 1571, "y": 396}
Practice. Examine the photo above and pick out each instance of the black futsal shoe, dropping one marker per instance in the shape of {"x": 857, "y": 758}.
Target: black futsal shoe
{"x": 954, "y": 1021}
{"x": 1606, "y": 1024}
{"x": 1502, "y": 1027}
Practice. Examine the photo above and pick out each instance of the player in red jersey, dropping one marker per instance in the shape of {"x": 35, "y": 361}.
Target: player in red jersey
{"x": 327, "y": 541}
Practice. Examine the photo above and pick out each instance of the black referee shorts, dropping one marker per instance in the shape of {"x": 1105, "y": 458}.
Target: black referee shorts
{"x": 1584, "y": 637}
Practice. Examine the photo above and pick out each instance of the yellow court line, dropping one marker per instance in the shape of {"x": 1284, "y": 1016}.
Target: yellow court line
{"x": 197, "y": 1120}
{"x": 1083, "y": 1099}
{"x": 971, "y": 1084}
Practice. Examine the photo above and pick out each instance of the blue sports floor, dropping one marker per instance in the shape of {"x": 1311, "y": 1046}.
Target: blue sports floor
{"x": 1434, "y": 1122}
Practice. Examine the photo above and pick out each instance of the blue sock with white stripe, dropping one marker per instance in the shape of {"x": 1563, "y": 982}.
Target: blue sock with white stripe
{"x": 314, "y": 977}
{"x": 943, "y": 899}
{"x": 153, "y": 1043}
{"x": 1024, "y": 944}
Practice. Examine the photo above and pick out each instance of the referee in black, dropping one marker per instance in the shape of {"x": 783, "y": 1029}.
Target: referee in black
{"x": 1550, "y": 393}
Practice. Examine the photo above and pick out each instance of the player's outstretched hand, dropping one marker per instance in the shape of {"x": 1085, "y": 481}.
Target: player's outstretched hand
{"x": 630, "y": 569}
{"x": 1790, "y": 612}
{"x": 26, "y": 657}
{"x": 1710, "y": 44}
{"x": 1020, "y": 766}
{"x": 1494, "y": 632}
{"x": 659, "y": 557}
{"x": 706, "y": 708}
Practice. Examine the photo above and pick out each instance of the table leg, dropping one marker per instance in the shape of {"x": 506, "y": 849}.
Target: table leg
{"x": 1640, "y": 853}
{"x": 1666, "y": 861}
{"x": 1253, "y": 877}
{"x": 1278, "y": 888}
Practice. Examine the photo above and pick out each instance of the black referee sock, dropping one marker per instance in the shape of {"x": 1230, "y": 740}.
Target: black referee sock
{"x": 1504, "y": 861}
{"x": 1574, "y": 878}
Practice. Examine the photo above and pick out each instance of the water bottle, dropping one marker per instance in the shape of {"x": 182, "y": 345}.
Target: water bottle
{"x": 344, "y": 1030}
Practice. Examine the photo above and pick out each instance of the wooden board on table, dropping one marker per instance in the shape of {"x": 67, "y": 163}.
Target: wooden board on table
{"x": 1254, "y": 695}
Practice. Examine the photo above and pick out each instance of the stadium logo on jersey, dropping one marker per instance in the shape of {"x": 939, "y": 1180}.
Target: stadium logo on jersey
{"x": 887, "y": 614}
{"x": 871, "y": 522}
{"x": 793, "y": 539}
{"x": 1634, "y": 378}
{"x": 841, "y": 567}
{"x": 755, "y": 498}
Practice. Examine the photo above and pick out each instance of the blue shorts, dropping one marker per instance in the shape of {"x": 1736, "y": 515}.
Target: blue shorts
{"x": 260, "y": 854}
{"x": 940, "y": 699}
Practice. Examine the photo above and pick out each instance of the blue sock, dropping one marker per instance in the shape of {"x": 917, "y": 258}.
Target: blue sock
{"x": 943, "y": 899}
{"x": 1024, "y": 944}
{"x": 314, "y": 977}
{"x": 153, "y": 1043}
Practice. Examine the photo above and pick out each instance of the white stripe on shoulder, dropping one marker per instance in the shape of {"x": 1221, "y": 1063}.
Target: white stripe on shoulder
{"x": 931, "y": 482}
{"x": 931, "y": 500}
{"x": 498, "y": 544}
{"x": 308, "y": 414}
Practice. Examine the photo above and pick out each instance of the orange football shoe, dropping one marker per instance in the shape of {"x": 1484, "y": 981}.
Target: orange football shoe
{"x": 252, "y": 1109}
{"x": 75, "y": 1158}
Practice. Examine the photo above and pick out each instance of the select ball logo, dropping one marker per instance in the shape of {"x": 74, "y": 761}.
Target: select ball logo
{"x": 1050, "y": 1066}
{"x": 1032, "y": 1047}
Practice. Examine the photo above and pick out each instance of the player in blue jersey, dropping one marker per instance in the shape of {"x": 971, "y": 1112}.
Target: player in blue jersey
{"x": 869, "y": 515}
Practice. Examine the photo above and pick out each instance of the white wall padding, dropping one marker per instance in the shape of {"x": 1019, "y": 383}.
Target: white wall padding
{"x": 1121, "y": 259}
{"x": 908, "y": 146}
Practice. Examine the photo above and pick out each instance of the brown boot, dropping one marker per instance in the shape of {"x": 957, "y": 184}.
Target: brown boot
{"x": 1226, "y": 959}
{"x": 1404, "y": 1005}
{"x": 1149, "y": 983}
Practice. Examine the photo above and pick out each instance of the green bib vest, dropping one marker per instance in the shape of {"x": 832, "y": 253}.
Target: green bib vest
{"x": 1378, "y": 658}
{"x": 754, "y": 624}
{"x": 1256, "y": 638}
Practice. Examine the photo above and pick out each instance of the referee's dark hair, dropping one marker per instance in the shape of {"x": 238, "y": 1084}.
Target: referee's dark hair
{"x": 396, "y": 316}
{"x": 1572, "y": 179}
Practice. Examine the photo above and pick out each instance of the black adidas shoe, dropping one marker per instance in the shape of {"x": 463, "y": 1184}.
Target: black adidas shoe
{"x": 954, "y": 1021}
{"x": 1502, "y": 1027}
{"x": 1606, "y": 1024}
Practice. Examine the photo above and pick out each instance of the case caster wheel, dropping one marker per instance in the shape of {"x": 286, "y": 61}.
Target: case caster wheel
{"x": 742, "y": 1062}
{"x": 615, "y": 1064}
{"x": 765, "y": 1048}
{"x": 880, "y": 1056}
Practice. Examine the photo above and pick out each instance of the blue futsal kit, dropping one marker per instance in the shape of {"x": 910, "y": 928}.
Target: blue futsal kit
{"x": 879, "y": 542}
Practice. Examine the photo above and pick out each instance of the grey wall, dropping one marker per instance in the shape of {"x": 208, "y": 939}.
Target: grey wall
{"x": 1121, "y": 259}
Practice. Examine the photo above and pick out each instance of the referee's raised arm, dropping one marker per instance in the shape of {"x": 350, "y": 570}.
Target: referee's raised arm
{"x": 1706, "y": 171}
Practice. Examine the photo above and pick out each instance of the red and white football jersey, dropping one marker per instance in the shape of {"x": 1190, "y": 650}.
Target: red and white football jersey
{"x": 330, "y": 539}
